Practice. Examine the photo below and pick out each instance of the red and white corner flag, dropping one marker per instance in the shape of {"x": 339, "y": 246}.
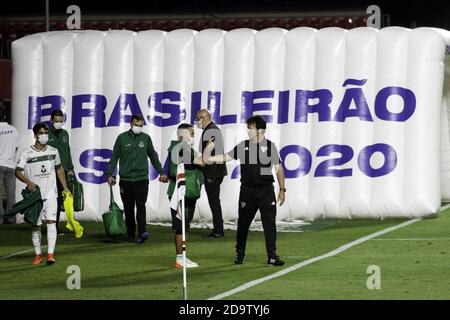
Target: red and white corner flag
{"x": 177, "y": 203}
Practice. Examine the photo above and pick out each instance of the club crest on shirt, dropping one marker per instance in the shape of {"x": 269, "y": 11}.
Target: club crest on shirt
{"x": 263, "y": 149}
{"x": 141, "y": 144}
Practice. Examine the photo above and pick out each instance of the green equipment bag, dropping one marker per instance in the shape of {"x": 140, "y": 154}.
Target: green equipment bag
{"x": 76, "y": 189}
{"x": 113, "y": 219}
{"x": 194, "y": 181}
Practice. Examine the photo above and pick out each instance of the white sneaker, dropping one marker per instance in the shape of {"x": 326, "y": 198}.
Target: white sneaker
{"x": 189, "y": 263}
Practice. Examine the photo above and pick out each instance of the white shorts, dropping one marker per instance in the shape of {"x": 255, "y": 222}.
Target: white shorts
{"x": 48, "y": 210}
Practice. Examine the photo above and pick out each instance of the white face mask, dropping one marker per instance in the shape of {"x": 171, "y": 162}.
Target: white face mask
{"x": 58, "y": 125}
{"x": 43, "y": 138}
{"x": 136, "y": 129}
{"x": 198, "y": 123}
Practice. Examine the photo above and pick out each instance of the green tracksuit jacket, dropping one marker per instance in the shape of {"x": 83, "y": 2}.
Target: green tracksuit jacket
{"x": 30, "y": 206}
{"x": 59, "y": 139}
{"x": 132, "y": 152}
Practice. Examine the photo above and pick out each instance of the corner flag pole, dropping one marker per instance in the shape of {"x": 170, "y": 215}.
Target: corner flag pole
{"x": 183, "y": 233}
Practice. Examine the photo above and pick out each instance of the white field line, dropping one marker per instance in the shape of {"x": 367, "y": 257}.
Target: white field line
{"x": 410, "y": 239}
{"x": 19, "y": 253}
{"x": 302, "y": 264}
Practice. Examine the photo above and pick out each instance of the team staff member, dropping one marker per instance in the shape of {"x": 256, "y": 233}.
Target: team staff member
{"x": 132, "y": 150}
{"x": 213, "y": 173}
{"x": 58, "y": 138}
{"x": 36, "y": 166}
{"x": 8, "y": 145}
{"x": 257, "y": 156}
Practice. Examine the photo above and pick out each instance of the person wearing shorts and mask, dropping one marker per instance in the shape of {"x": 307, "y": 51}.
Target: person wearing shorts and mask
{"x": 36, "y": 167}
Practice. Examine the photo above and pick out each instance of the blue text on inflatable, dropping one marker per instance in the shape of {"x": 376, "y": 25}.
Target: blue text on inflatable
{"x": 167, "y": 108}
{"x": 335, "y": 163}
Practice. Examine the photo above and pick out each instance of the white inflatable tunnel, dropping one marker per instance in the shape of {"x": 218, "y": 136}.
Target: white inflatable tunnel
{"x": 356, "y": 114}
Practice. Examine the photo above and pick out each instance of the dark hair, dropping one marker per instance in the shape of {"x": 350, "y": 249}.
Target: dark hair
{"x": 137, "y": 117}
{"x": 258, "y": 121}
{"x": 183, "y": 126}
{"x": 39, "y": 126}
{"x": 56, "y": 113}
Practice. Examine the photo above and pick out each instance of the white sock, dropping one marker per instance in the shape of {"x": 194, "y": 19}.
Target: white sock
{"x": 179, "y": 257}
{"x": 36, "y": 239}
{"x": 51, "y": 237}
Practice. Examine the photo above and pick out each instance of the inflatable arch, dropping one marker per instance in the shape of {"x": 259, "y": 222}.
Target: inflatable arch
{"x": 360, "y": 116}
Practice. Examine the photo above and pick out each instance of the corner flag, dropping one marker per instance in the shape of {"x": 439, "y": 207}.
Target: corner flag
{"x": 177, "y": 203}
{"x": 180, "y": 190}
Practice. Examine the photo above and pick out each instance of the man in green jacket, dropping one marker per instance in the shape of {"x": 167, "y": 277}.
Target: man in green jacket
{"x": 132, "y": 150}
{"x": 58, "y": 138}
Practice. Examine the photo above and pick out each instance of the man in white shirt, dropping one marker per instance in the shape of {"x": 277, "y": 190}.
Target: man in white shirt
{"x": 8, "y": 145}
{"x": 36, "y": 166}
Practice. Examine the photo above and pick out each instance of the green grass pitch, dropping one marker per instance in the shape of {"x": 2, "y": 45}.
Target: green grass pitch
{"x": 414, "y": 262}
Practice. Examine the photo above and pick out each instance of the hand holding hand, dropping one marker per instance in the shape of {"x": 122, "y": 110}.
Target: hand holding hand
{"x": 163, "y": 179}
{"x": 111, "y": 181}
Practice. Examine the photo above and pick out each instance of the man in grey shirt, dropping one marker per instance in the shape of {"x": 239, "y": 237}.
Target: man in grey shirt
{"x": 8, "y": 145}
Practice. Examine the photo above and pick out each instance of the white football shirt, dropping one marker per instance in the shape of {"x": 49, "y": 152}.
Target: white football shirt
{"x": 39, "y": 167}
{"x": 8, "y": 144}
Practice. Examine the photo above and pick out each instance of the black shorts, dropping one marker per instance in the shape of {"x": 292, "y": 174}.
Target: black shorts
{"x": 189, "y": 204}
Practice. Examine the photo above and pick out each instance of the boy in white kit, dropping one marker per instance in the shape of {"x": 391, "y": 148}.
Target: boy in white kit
{"x": 38, "y": 162}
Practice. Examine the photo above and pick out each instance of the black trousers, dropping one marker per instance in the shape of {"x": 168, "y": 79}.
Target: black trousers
{"x": 212, "y": 188}
{"x": 134, "y": 194}
{"x": 250, "y": 200}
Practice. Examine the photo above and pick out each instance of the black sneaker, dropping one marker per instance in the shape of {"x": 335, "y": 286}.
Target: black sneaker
{"x": 275, "y": 261}
{"x": 216, "y": 235}
{"x": 240, "y": 258}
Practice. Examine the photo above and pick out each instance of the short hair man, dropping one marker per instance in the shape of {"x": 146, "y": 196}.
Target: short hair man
{"x": 8, "y": 145}
{"x": 58, "y": 138}
{"x": 132, "y": 150}
{"x": 181, "y": 151}
{"x": 257, "y": 156}
{"x": 36, "y": 166}
{"x": 213, "y": 172}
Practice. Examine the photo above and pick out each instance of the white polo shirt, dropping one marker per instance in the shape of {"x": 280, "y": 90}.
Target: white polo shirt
{"x": 39, "y": 168}
{"x": 9, "y": 138}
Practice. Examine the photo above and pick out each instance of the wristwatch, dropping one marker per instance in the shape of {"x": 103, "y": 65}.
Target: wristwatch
{"x": 283, "y": 189}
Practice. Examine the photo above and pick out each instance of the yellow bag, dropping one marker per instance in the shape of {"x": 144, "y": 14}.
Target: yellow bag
{"x": 71, "y": 224}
